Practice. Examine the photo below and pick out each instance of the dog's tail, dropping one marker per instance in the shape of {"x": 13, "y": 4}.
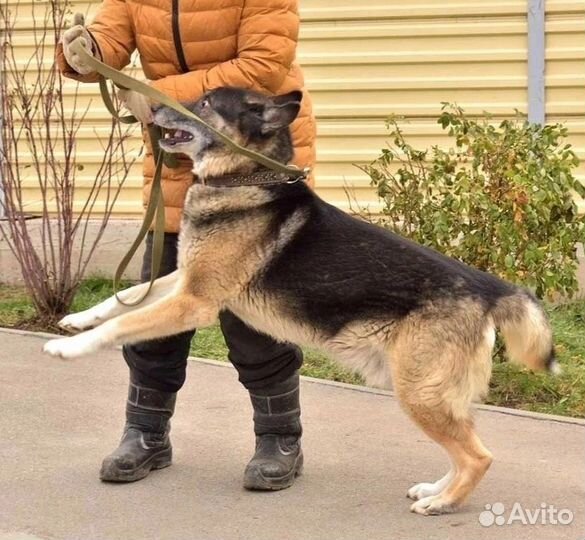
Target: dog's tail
{"x": 526, "y": 331}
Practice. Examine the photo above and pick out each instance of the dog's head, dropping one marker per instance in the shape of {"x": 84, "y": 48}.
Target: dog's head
{"x": 251, "y": 119}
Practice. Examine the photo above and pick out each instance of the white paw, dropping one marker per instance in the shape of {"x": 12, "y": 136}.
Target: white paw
{"x": 72, "y": 347}
{"x": 433, "y": 506}
{"x": 428, "y": 489}
{"x": 425, "y": 489}
{"x": 81, "y": 321}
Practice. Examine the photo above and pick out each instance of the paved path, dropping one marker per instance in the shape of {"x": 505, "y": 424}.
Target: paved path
{"x": 58, "y": 419}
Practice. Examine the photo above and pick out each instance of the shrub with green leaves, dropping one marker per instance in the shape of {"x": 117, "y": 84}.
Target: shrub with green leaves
{"x": 502, "y": 198}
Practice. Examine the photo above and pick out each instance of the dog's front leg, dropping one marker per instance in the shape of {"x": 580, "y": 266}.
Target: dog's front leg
{"x": 110, "y": 308}
{"x": 171, "y": 315}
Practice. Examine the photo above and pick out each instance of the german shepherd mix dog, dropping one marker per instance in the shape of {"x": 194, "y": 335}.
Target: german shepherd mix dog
{"x": 299, "y": 269}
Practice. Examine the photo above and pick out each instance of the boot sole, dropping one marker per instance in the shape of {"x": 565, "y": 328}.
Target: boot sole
{"x": 256, "y": 481}
{"x": 112, "y": 474}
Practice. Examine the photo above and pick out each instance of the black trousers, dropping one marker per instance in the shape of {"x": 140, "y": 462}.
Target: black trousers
{"x": 161, "y": 364}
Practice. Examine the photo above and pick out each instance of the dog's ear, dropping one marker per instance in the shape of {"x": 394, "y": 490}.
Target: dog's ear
{"x": 280, "y": 111}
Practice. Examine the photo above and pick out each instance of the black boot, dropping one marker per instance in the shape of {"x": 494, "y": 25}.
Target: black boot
{"x": 278, "y": 459}
{"x": 145, "y": 444}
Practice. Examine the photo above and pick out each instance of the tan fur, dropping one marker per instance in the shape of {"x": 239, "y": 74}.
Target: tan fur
{"x": 216, "y": 164}
{"x": 221, "y": 160}
{"x": 437, "y": 373}
{"x": 526, "y": 331}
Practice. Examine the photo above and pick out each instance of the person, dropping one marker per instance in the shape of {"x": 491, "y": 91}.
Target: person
{"x": 187, "y": 48}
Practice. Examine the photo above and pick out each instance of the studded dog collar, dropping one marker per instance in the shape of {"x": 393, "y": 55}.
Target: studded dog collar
{"x": 264, "y": 177}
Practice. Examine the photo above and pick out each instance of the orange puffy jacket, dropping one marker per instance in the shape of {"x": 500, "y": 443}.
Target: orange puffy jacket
{"x": 188, "y": 47}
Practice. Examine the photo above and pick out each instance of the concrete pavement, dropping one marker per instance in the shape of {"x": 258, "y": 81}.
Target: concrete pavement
{"x": 119, "y": 234}
{"x": 58, "y": 419}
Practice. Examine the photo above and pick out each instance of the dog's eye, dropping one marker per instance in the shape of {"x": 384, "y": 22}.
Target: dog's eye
{"x": 205, "y": 103}
{"x": 256, "y": 108}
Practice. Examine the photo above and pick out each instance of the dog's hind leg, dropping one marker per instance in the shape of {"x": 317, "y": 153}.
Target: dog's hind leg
{"x": 436, "y": 385}
{"x": 172, "y": 315}
{"x": 427, "y": 489}
{"x": 110, "y": 308}
{"x": 470, "y": 460}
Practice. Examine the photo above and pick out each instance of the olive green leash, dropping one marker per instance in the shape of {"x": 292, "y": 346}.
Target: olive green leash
{"x": 124, "y": 81}
{"x": 155, "y": 210}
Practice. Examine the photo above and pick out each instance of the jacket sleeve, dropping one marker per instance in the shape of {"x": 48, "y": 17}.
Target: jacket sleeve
{"x": 267, "y": 39}
{"x": 113, "y": 35}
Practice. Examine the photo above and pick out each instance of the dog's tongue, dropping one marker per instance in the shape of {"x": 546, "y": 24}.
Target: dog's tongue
{"x": 180, "y": 134}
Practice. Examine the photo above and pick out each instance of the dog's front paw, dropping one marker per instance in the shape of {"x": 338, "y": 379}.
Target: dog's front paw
{"x": 433, "y": 506}
{"x": 71, "y": 347}
{"x": 420, "y": 491}
{"x": 81, "y": 321}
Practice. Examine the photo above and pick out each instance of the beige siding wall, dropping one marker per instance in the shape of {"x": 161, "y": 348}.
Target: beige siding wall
{"x": 366, "y": 60}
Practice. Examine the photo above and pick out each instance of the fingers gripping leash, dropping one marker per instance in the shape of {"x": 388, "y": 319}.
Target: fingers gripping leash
{"x": 78, "y": 33}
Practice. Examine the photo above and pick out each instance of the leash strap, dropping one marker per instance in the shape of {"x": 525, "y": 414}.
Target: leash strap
{"x": 105, "y": 93}
{"x": 155, "y": 211}
{"x": 155, "y": 132}
{"x": 128, "y": 82}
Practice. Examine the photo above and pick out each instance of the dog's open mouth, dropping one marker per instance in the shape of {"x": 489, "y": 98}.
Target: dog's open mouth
{"x": 173, "y": 137}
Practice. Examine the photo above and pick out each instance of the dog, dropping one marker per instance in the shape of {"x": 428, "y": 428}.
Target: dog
{"x": 290, "y": 265}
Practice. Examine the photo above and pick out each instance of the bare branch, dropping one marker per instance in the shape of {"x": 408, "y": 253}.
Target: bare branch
{"x": 39, "y": 162}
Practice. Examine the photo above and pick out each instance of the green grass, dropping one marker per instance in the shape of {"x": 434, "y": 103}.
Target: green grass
{"x": 209, "y": 343}
{"x": 15, "y": 306}
{"x": 17, "y": 310}
{"x": 511, "y": 386}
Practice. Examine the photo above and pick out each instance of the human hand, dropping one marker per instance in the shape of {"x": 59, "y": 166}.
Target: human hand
{"x": 69, "y": 36}
{"x": 138, "y": 104}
